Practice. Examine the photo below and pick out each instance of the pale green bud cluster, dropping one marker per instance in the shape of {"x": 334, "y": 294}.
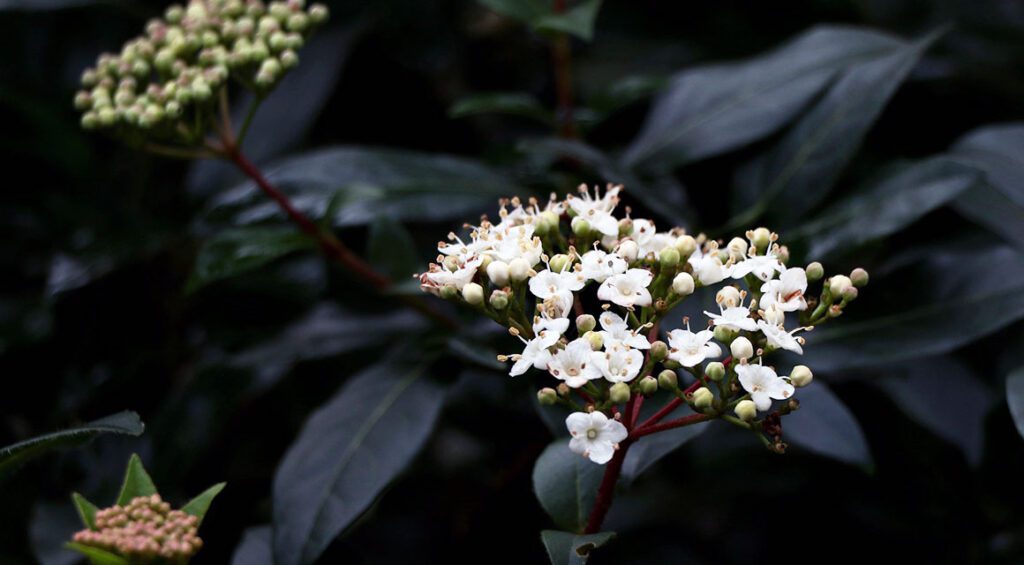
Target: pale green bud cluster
{"x": 165, "y": 81}
{"x": 144, "y": 530}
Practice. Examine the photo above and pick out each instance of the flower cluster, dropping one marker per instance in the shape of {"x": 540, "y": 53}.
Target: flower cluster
{"x": 144, "y": 530}
{"x": 531, "y": 274}
{"x": 164, "y": 82}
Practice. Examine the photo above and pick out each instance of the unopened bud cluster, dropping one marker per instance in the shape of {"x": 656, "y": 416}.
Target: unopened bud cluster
{"x": 165, "y": 81}
{"x": 586, "y": 292}
{"x": 144, "y": 530}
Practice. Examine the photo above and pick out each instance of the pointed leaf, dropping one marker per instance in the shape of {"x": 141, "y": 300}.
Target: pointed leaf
{"x": 824, "y": 425}
{"x": 999, "y": 204}
{"x": 392, "y": 250}
{"x": 577, "y": 20}
{"x": 716, "y": 108}
{"x": 648, "y": 450}
{"x": 511, "y": 103}
{"x": 239, "y": 250}
{"x": 86, "y": 510}
{"x": 96, "y": 555}
{"x": 1015, "y": 397}
{"x": 348, "y": 451}
{"x": 526, "y": 11}
{"x": 565, "y": 548}
{"x": 566, "y": 485}
{"x": 201, "y": 503}
{"x": 136, "y": 482}
{"x": 13, "y": 456}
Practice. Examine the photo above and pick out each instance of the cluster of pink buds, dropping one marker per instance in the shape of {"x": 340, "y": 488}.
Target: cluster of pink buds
{"x": 145, "y": 529}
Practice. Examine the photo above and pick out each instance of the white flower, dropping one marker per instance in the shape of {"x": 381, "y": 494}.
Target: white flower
{"x": 597, "y": 211}
{"x": 573, "y": 364}
{"x": 648, "y": 240}
{"x": 438, "y": 276}
{"x": 615, "y": 330}
{"x": 689, "y": 348}
{"x": 548, "y": 283}
{"x": 598, "y": 265}
{"x": 763, "y": 267}
{"x": 737, "y": 317}
{"x": 786, "y": 293}
{"x": 550, "y": 329}
{"x": 627, "y": 289}
{"x": 595, "y": 435}
{"x": 773, "y": 314}
{"x": 535, "y": 355}
{"x": 619, "y": 363}
{"x": 510, "y": 242}
{"x": 779, "y": 337}
{"x": 763, "y": 385}
{"x": 708, "y": 268}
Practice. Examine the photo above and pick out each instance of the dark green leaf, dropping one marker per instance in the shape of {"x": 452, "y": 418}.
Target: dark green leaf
{"x": 824, "y": 425}
{"x": 999, "y": 204}
{"x": 403, "y": 185}
{"x": 348, "y": 451}
{"x": 236, "y": 251}
{"x": 797, "y": 173}
{"x": 201, "y": 503}
{"x": 512, "y": 103}
{"x": 649, "y": 449}
{"x": 96, "y": 555}
{"x": 566, "y": 485}
{"x": 565, "y": 548}
{"x": 1015, "y": 397}
{"x": 255, "y": 547}
{"x": 13, "y": 456}
{"x": 899, "y": 198}
{"x": 577, "y": 20}
{"x": 86, "y": 510}
{"x": 709, "y": 110}
{"x": 526, "y": 11}
{"x": 136, "y": 482}
{"x": 392, "y": 249}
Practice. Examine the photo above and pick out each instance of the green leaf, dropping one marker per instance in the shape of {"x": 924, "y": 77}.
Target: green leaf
{"x": 239, "y": 250}
{"x": 136, "y": 482}
{"x": 797, "y": 173}
{"x": 512, "y": 103}
{"x": 1015, "y": 397}
{"x": 348, "y": 451}
{"x": 577, "y": 20}
{"x": 824, "y": 425}
{"x": 712, "y": 109}
{"x": 901, "y": 196}
{"x": 255, "y": 546}
{"x": 96, "y": 555}
{"x": 392, "y": 249}
{"x": 648, "y": 450}
{"x": 566, "y": 485}
{"x": 997, "y": 205}
{"x": 566, "y": 548}
{"x": 406, "y": 186}
{"x": 526, "y": 11}
{"x": 86, "y": 510}
{"x": 201, "y": 503}
{"x": 16, "y": 455}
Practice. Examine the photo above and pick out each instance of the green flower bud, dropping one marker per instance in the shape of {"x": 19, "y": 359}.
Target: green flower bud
{"x": 473, "y": 294}
{"x": 685, "y": 245}
{"x": 258, "y": 52}
{"x": 838, "y": 283}
{"x": 580, "y": 227}
{"x": 725, "y": 334}
{"x": 83, "y": 100}
{"x": 648, "y": 385}
{"x": 172, "y": 109}
{"x": 318, "y": 13}
{"x": 560, "y": 263}
{"x": 669, "y": 258}
{"x": 801, "y": 376}
{"x": 278, "y": 41}
{"x": 90, "y": 121}
{"x": 761, "y": 239}
{"x": 449, "y": 292}
{"x": 563, "y": 390}
{"x": 619, "y": 393}
{"x": 547, "y": 396}
{"x": 814, "y": 271}
{"x": 585, "y": 323}
{"x": 595, "y": 339}
{"x": 625, "y": 227}
{"x": 746, "y": 410}
{"x": 289, "y": 59}
{"x": 106, "y": 117}
{"x": 783, "y": 254}
{"x": 741, "y": 348}
{"x": 668, "y": 380}
{"x": 268, "y": 25}
{"x": 279, "y": 10}
{"x": 859, "y": 277}
{"x": 499, "y": 300}
{"x": 298, "y": 22}
{"x": 671, "y": 364}
{"x": 659, "y": 351}
{"x": 703, "y": 398}
{"x": 715, "y": 371}
{"x": 550, "y": 221}
{"x": 849, "y": 294}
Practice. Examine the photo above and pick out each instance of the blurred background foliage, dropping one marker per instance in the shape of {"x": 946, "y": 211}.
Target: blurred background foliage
{"x": 172, "y": 289}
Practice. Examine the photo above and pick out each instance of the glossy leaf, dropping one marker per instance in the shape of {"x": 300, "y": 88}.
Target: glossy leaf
{"x": 578, "y": 20}
{"x": 712, "y": 109}
{"x": 648, "y": 450}
{"x": 565, "y": 548}
{"x": 797, "y": 173}
{"x": 403, "y": 185}
{"x": 999, "y": 204}
{"x": 96, "y": 555}
{"x": 824, "y": 425}
{"x": 136, "y": 482}
{"x": 511, "y": 103}
{"x": 392, "y": 249}
{"x": 16, "y": 455}
{"x": 199, "y": 505}
{"x": 1015, "y": 397}
{"x": 348, "y": 451}
{"x": 237, "y": 251}
{"x": 566, "y": 485}
{"x": 255, "y": 548}
{"x": 86, "y": 510}
{"x": 899, "y": 198}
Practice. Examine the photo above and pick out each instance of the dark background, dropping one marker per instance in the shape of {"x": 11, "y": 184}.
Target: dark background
{"x": 97, "y": 242}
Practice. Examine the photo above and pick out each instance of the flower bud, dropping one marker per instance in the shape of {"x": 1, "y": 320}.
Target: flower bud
{"x": 547, "y": 396}
{"x": 668, "y": 380}
{"x": 761, "y": 239}
{"x": 669, "y": 258}
{"x": 473, "y": 294}
{"x": 318, "y": 13}
{"x": 737, "y": 248}
{"x": 659, "y": 351}
{"x": 728, "y": 297}
{"x": 619, "y": 393}
{"x": 499, "y": 300}
{"x": 560, "y": 263}
{"x": 859, "y": 277}
{"x": 685, "y": 245}
{"x": 715, "y": 371}
{"x": 625, "y": 227}
{"x": 563, "y": 390}
{"x": 289, "y": 59}
{"x": 585, "y": 323}
{"x": 519, "y": 270}
{"x": 838, "y": 283}
{"x": 801, "y": 376}
{"x": 580, "y": 227}
{"x": 595, "y": 339}
{"x": 782, "y": 254}
{"x": 814, "y": 271}
{"x": 628, "y": 250}
{"x": 671, "y": 364}
{"x": 850, "y": 294}
{"x": 682, "y": 284}
{"x": 725, "y": 334}
{"x": 741, "y": 348}
{"x": 702, "y": 398}
{"x": 746, "y": 410}
{"x": 497, "y": 271}
{"x": 648, "y": 385}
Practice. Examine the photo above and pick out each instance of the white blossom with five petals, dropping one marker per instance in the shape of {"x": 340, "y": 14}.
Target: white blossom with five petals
{"x": 690, "y": 349}
{"x": 615, "y": 330}
{"x": 628, "y": 289}
{"x": 594, "y": 435}
{"x": 574, "y": 364}
{"x": 763, "y": 385}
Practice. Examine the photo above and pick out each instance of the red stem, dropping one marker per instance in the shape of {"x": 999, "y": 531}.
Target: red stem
{"x": 606, "y": 492}
{"x": 665, "y": 411}
{"x": 677, "y": 423}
